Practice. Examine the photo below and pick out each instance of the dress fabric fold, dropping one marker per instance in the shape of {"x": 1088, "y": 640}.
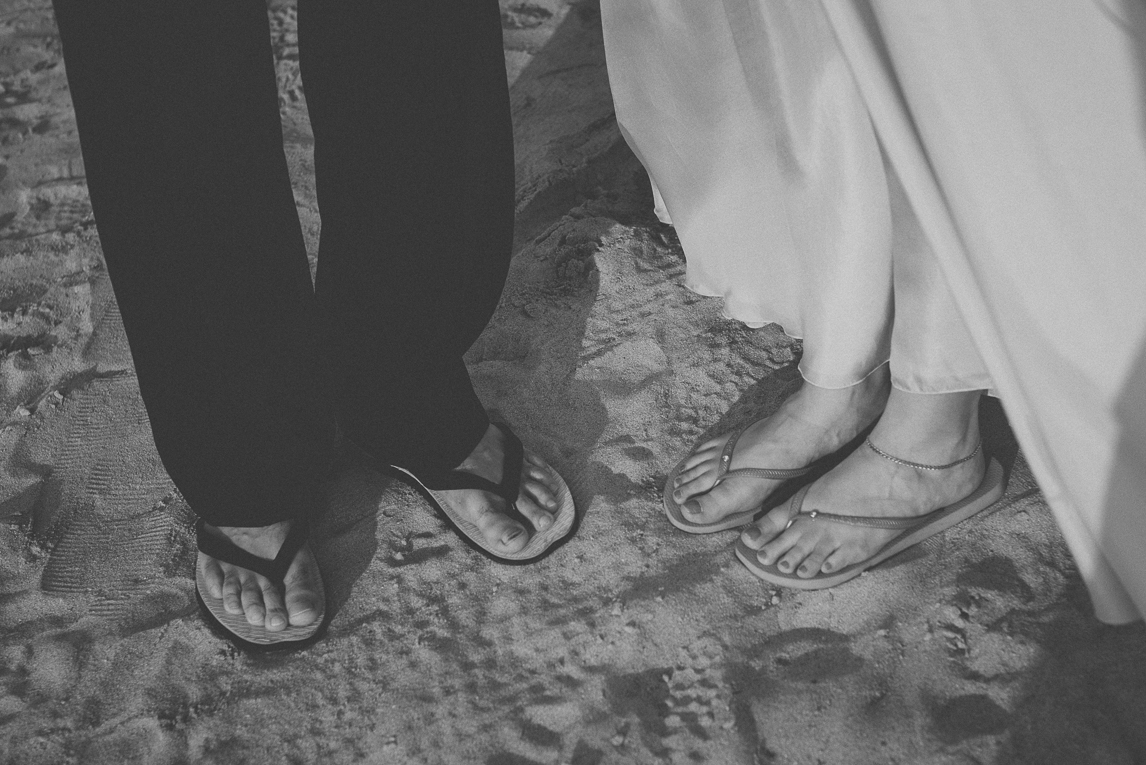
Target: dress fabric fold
{"x": 761, "y": 152}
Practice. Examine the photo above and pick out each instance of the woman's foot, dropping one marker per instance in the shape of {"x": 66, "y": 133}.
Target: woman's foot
{"x": 811, "y": 423}
{"x": 537, "y": 498}
{"x": 931, "y": 429}
{"x": 248, "y": 593}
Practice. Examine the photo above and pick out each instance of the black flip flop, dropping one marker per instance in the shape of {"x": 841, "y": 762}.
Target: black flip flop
{"x": 436, "y": 483}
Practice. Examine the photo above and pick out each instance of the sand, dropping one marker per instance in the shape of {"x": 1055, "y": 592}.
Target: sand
{"x": 633, "y": 643}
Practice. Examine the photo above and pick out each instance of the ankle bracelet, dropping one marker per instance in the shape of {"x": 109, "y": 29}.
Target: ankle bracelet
{"x": 919, "y": 465}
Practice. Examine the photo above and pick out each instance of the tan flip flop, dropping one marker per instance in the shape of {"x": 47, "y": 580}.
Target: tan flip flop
{"x": 235, "y": 627}
{"x": 437, "y": 484}
{"x": 915, "y": 530}
{"x": 679, "y": 518}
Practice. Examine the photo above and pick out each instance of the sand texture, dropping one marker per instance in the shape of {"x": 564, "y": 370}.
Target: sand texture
{"x": 633, "y": 643}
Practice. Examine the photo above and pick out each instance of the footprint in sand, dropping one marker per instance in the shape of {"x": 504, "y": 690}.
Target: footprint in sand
{"x": 60, "y": 206}
{"x": 113, "y": 514}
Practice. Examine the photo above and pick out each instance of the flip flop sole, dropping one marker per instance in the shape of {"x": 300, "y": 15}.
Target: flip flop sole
{"x": 540, "y": 542}
{"x": 988, "y": 493}
{"x": 237, "y": 629}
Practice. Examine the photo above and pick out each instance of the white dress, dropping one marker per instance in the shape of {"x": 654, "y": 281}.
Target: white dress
{"x": 1019, "y": 130}
{"x": 777, "y": 134}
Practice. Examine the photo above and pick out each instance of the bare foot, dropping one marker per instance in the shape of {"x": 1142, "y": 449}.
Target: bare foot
{"x": 812, "y": 423}
{"x": 868, "y": 484}
{"x": 245, "y": 592}
{"x": 537, "y": 498}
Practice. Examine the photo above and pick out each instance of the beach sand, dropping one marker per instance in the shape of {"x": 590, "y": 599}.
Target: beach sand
{"x": 633, "y": 643}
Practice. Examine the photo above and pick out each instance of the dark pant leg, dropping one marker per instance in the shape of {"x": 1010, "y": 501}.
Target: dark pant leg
{"x": 179, "y": 124}
{"x": 414, "y": 170}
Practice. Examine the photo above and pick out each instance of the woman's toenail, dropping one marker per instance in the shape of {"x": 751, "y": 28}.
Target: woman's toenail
{"x": 785, "y": 565}
{"x": 551, "y": 504}
{"x": 277, "y": 621}
{"x": 544, "y": 522}
{"x": 803, "y": 569}
{"x": 752, "y": 534}
{"x": 512, "y": 535}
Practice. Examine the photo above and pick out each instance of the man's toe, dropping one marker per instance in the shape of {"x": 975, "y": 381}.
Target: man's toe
{"x": 537, "y": 516}
{"x": 276, "y": 615}
{"x": 252, "y": 598}
{"x": 302, "y": 610}
{"x": 212, "y": 575}
{"x": 513, "y": 537}
{"x": 536, "y": 492}
{"x": 232, "y": 592}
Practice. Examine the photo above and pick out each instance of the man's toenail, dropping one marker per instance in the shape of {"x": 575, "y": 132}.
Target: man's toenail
{"x": 752, "y": 534}
{"x": 803, "y": 569}
{"x": 277, "y": 621}
{"x": 692, "y": 508}
{"x": 512, "y": 535}
{"x": 784, "y": 565}
{"x": 544, "y": 522}
{"x": 551, "y": 504}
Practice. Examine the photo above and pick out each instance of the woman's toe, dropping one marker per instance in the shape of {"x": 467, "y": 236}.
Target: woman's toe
{"x": 692, "y": 482}
{"x": 795, "y": 557}
{"x": 835, "y": 561}
{"x": 813, "y": 563}
{"x": 772, "y": 551}
{"x": 766, "y": 529}
{"x": 701, "y": 455}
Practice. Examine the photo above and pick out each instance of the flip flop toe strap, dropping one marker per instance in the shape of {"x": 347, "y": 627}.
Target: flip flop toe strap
{"x": 224, "y": 550}
{"x": 724, "y": 469}
{"x": 796, "y": 511}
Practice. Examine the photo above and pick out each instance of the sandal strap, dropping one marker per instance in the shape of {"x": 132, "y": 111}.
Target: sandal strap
{"x": 223, "y": 549}
{"x": 723, "y": 467}
{"x": 796, "y": 505}
{"x": 508, "y": 488}
{"x": 774, "y": 474}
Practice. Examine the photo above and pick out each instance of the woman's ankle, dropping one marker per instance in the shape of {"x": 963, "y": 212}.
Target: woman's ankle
{"x": 929, "y": 427}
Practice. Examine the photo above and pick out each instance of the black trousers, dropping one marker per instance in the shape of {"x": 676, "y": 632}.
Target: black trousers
{"x": 244, "y": 366}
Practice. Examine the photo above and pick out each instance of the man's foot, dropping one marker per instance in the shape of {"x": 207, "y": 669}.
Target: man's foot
{"x": 244, "y": 592}
{"x": 928, "y": 431}
{"x": 812, "y": 423}
{"x": 537, "y": 498}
